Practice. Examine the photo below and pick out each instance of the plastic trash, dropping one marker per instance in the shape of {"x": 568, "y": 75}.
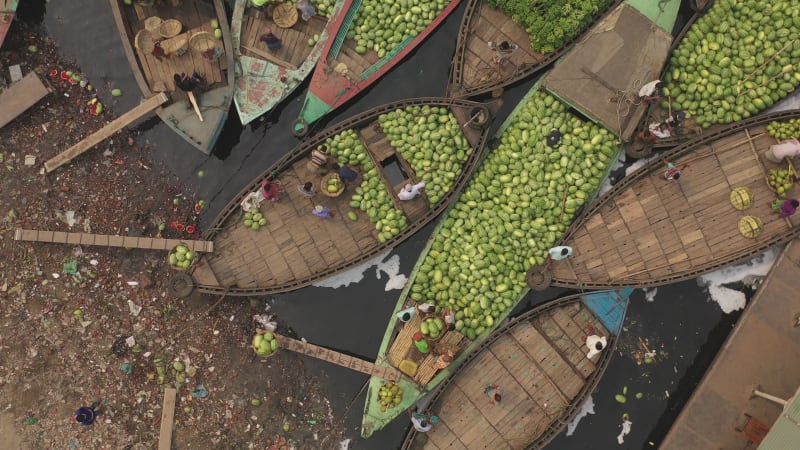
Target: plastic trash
{"x": 126, "y": 368}
{"x": 200, "y": 391}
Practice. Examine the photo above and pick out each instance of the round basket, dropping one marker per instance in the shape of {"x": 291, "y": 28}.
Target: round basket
{"x": 441, "y": 334}
{"x": 174, "y": 251}
{"x": 741, "y": 198}
{"x": 324, "y": 186}
{"x": 144, "y": 42}
{"x": 176, "y": 46}
{"x": 202, "y": 42}
{"x": 170, "y": 28}
{"x": 268, "y": 355}
{"x": 285, "y": 15}
{"x": 152, "y": 24}
{"x": 750, "y": 226}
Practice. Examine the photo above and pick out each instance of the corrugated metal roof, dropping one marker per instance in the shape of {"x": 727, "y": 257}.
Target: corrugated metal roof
{"x": 785, "y": 432}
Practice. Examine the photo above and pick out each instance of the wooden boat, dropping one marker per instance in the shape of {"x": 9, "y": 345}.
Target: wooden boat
{"x": 295, "y": 248}
{"x": 265, "y": 78}
{"x": 184, "y": 30}
{"x": 638, "y": 44}
{"x": 474, "y": 71}
{"x": 343, "y": 73}
{"x": 649, "y": 231}
{"x": 8, "y": 9}
{"x": 539, "y": 361}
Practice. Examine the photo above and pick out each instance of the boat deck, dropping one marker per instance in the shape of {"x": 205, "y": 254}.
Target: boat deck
{"x": 627, "y": 51}
{"x": 541, "y": 368}
{"x": 195, "y": 17}
{"x": 761, "y": 352}
{"x": 649, "y": 230}
{"x": 294, "y": 49}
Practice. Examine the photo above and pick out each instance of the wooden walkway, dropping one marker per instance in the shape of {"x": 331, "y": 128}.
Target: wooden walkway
{"x": 539, "y": 363}
{"x": 105, "y": 240}
{"x": 761, "y": 352}
{"x": 648, "y": 230}
{"x": 334, "y": 357}
{"x": 107, "y": 131}
{"x": 21, "y": 95}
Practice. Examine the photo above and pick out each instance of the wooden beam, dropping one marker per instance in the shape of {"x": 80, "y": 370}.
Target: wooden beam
{"x": 270, "y": 58}
{"x": 105, "y": 240}
{"x": 20, "y": 96}
{"x": 194, "y": 105}
{"x": 98, "y": 136}
{"x": 167, "y": 417}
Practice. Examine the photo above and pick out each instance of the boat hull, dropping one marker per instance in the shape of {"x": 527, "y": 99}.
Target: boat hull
{"x": 7, "y": 11}
{"x": 649, "y": 231}
{"x": 155, "y": 75}
{"x": 539, "y": 361}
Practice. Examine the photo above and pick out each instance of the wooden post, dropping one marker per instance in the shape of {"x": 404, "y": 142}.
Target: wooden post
{"x": 194, "y": 104}
{"x": 167, "y": 417}
{"x": 100, "y": 135}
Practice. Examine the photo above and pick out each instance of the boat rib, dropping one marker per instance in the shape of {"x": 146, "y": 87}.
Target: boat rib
{"x": 649, "y": 230}
{"x": 539, "y": 362}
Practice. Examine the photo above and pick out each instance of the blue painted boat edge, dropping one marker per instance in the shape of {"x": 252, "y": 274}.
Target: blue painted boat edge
{"x": 609, "y": 307}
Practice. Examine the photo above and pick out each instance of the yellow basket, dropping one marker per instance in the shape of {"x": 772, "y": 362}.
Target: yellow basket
{"x": 285, "y": 15}
{"x": 750, "y": 226}
{"x": 170, "y": 28}
{"x": 741, "y": 198}
{"x": 152, "y": 24}
{"x": 191, "y": 263}
{"x": 324, "y": 185}
{"x": 202, "y": 42}
{"x": 144, "y": 42}
{"x": 176, "y": 45}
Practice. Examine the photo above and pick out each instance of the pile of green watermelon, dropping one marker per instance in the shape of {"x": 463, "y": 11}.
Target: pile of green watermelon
{"x": 517, "y": 205}
{"x": 738, "y": 59}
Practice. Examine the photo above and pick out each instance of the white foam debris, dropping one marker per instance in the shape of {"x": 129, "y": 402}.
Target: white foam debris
{"x": 390, "y": 266}
{"x": 586, "y": 408}
{"x": 344, "y": 445}
{"x": 730, "y": 300}
{"x": 626, "y": 428}
{"x": 650, "y": 294}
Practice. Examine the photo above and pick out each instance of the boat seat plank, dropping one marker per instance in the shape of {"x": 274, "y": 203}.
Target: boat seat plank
{"x": 466, "y": 420}
{"x": 568, "y": 349}
{"x": 548, "y": 359}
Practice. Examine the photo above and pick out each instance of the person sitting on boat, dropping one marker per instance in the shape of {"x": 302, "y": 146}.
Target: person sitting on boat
{"x": 158, "y": 51}
{"x": 307, "y": 189}
{"x": 554, "y": 138}
{"x": 410, "y": 191}
{"x": 421, "y": 422}
{"x": 787, "y": 207}
{"x": 187, "y": 83}
{"x": 557, "y": 254}
{"x": 651, "y": 92}
{"x": 323, "y": 212}
{"x": 596, "y": 345}
{"x": 449, "y": 319}
{"x": 444, "y": 360}
{"x": 659, "y": 130}
{"x": 306, "y": 10}
{"x": 427, "y": 308}
{"x": 346, "y": 173}
{"x": 672, "y": 172}
{"x": 493, "y": 392}
{"x": 273, "y": 42}
{"x": 784, "y": 149}
{"x": 271, "y": 190}
{"x": 502, "y": 51}
{"x": 675, "y": 120}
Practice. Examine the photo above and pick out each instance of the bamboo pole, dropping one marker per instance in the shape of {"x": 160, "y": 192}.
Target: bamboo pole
{"x": 194, "y": 104}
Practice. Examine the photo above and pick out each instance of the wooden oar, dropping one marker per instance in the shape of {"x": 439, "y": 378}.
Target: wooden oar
{"x": 194, "y": 104}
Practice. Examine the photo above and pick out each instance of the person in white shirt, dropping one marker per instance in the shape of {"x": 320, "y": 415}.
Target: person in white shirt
{"x": 596, "y": 345}
{"x": 420, "y": 421}
{"x": 410, "y": 191}
{"x": 651, "y": 91}
{"x": 557, "y": 254}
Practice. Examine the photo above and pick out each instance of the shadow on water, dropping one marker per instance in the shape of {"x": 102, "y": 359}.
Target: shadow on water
{"x": 31, "y": 11}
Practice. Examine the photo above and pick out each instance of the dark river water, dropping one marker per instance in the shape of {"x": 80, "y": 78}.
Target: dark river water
{"x": 682, "y": 324}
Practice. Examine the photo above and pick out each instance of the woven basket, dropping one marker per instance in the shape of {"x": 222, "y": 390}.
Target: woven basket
{"x": 202, "y": 42}
{"x": 152, "y": 24}
{"x": 144, "y": 42}
{"x": 170, "y": 28}
{"x": 176, "y": 46}
{"x": 285, "y": 15}
{"x": 277, "y": 350}
{"x": 324, "y": 185}
{"x": 750, "y": 226}
{"x": 741, "y": 198}
{"x": 181, "y": 269}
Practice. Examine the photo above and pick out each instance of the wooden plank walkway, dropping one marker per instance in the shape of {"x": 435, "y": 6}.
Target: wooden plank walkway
{"x": 105, "y": 240}
{"x": 541, "y": 368}
{"x": 19, "y": 96}
{"x": 167, "y": 419}
{"x": 761, "y": 352}
{"x": 107, "y": 131}
{"x": 334, "y": 357}
{"x": 649, "y": 230}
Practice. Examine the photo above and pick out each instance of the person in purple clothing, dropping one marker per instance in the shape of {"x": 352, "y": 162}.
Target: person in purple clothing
{"x": 323, "y": 212}
{"x": 787, "y": 208}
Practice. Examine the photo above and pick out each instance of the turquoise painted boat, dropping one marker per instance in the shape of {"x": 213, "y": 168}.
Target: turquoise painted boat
{"x": 185, "y": 32}
{"x": 8, "y": 9}
{"x": 351, "y": 61}
{"x": 475, "y": 262}
{"x": 265, "y": 78}
{"x": 541, "y": 362}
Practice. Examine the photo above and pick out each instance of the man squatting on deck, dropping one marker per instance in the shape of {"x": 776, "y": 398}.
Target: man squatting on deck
{"x": 411, "y": 191}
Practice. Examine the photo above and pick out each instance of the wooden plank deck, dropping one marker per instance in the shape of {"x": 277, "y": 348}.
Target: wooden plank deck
{"x": 146, "y": 243}
{"x": 678, "y": 228}
{"x": 21, "y": 95}
{"x": 294, "y": 49}
{"x": 760, "y": 352}
{"x": 538, "y": 381}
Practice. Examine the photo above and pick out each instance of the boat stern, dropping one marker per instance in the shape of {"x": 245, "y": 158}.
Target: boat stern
{"x": 313, "y": 109}
{"x": 182, "y": 118}
{"x": 375, "y": 417}
{"x": 609, "y": 307}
